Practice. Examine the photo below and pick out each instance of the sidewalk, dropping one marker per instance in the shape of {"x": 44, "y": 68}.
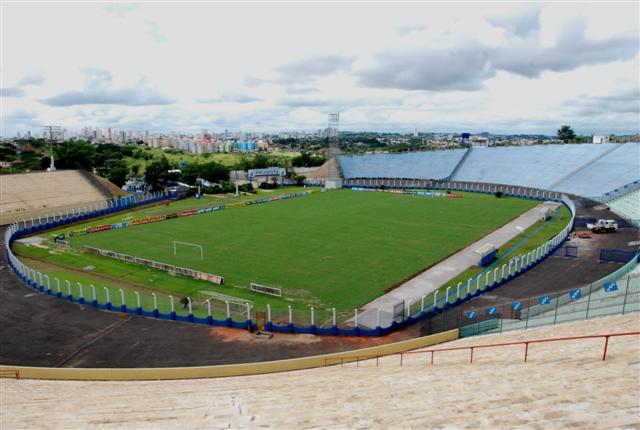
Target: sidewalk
{"x": 438, "y": 275}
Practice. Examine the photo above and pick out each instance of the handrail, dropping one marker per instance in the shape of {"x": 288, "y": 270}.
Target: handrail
{"x": 471, "y": 348}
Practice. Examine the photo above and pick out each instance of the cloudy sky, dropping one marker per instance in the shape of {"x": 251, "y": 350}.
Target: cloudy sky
{"x": 497, "y": 67}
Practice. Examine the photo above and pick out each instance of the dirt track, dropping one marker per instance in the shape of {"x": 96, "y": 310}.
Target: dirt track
{"x": 39, "y": 330}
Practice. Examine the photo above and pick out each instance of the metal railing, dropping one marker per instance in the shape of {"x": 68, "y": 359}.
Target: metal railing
{"x": 313, "y": 321}
{"x": 471, "y": 348}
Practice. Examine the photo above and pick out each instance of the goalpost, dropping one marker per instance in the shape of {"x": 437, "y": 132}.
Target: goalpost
{"x": 195, "y": 245}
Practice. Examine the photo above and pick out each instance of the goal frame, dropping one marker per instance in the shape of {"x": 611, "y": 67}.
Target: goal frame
{"x": 177, "y": 242}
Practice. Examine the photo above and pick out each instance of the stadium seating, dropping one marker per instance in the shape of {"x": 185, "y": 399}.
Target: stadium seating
{"x": 628, "y": 207}
{"x": 537, "y": 166}
{"x": 588, "y": 170}
{"x": 32, "y": 194}
{"x": 497, "y": 391}
{"x": 607, "y": 173}
{"x": 414, "y": 165}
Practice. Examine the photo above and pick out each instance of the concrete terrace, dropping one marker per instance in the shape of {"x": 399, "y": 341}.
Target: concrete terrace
{"x": 563, "y": 385}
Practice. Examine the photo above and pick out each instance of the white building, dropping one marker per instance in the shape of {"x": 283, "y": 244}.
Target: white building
{"x": 600, "y": 139}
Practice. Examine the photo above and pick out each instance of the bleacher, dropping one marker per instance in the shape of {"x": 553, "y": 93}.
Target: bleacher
{"x": 613, "y": 170}
{"x": 538, "y": 166}
{"x": 628, "y": 207}
{"x": 588, "y": 170}
{"x": 413, "y": 165}
{"x": 27, "y": 195}
{"x": 562, "y": 385}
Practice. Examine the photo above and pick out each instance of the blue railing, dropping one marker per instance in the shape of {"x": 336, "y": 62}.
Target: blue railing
{"x": 492, "y": 279}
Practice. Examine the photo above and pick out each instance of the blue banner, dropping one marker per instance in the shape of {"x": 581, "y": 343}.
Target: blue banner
{"x": 610, "y": 287}
{"x": 544, "y": 300}
{"x": 575, "y": 294}
{"x": 516, "y": 306}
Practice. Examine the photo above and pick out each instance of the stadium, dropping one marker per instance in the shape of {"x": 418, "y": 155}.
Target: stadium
{"x": 378, "y": 266}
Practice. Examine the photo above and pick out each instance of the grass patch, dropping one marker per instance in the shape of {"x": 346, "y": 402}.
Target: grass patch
{"x": 339, "y": 249}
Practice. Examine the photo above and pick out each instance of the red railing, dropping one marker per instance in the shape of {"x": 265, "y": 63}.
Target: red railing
{"x": 472, "y": 348}
{"x": 9, "y": 373}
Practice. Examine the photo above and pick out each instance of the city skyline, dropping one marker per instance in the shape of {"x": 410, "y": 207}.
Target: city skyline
{"x": 500, "y": 68}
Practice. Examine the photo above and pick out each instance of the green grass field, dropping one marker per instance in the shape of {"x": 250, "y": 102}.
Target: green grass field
{"x": 341, "y": 248}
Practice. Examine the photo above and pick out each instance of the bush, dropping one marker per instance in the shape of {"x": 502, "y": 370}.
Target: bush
{"x": 268, "y": 186}
{"x": 499, "y": 194}
{"x": 300, "y": 180}
{"x": 247, "y": 188}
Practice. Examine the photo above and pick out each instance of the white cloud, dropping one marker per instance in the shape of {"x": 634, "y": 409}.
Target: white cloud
{"x": 486, "y": 66}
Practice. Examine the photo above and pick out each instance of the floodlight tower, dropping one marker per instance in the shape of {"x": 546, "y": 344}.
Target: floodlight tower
{"x": 334, "y": 176}
{"x": 51, "y": 133}
{"x": 332, "y": 133}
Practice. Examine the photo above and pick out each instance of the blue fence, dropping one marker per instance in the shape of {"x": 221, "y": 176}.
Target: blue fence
{"x": 485, "y": 282}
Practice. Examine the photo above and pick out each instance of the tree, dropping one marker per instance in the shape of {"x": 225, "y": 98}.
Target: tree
{"x": 214, "y": 172}
{"x": 117, "y": 172}
{"x": 156, "y": 173}
{"x": 211, "y": 171}
{"x": 308, "y": 159}
{"x": 566, "y": 133}
{"x": 74, "y": 155}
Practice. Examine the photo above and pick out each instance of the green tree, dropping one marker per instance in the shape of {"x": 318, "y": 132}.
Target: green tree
{"x": 156, "y": 173}
{"x": 74, "y": 155}
{"x": 214, "y": 172}
{"x": 117, "y": 172}
{"x": 566, "y": 133}
{"x": 308, "y": 159}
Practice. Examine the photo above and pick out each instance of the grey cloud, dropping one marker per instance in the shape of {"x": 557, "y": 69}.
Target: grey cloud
{"x": 303, "y": 71}
{"x": 20, "y": 115}
{"x": 316, "y": 66}
{"x": 302, "y": 102}
{"x": 32, "y": 79}
{"x": 123, "y": 96}
{"x": 468, "y": 66}
{"x": 437, "y": 70}
{"x": 20, "y": 120}
{"x": 301, "y": 90}
{"x": 230, "y": 98}
{"x": 11, "y": 92}
{"x": 523, "y": 24}
{"x": 252, "y": 81}
{"x": 95, "y": 78}
{"x": 621, "y": 103}
{"x": 404, "y": 30}
{"x": 337, "y": 104}
{"x": 571, "y": 51}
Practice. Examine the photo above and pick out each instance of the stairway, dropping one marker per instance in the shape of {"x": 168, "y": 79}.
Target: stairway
{"x": 460, "y": 163}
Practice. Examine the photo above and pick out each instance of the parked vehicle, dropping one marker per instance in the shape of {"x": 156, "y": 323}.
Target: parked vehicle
{"x": 603, "y": 226}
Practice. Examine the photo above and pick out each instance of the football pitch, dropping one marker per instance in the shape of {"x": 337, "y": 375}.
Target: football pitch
{"x": 337, "y": 249}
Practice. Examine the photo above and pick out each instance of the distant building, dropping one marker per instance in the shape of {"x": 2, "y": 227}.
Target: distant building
{"x": 600, "y": 139}
{"x": 479, "y": 141}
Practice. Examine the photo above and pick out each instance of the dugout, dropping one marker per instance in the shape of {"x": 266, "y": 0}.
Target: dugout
{"x": 488, "y": 253}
